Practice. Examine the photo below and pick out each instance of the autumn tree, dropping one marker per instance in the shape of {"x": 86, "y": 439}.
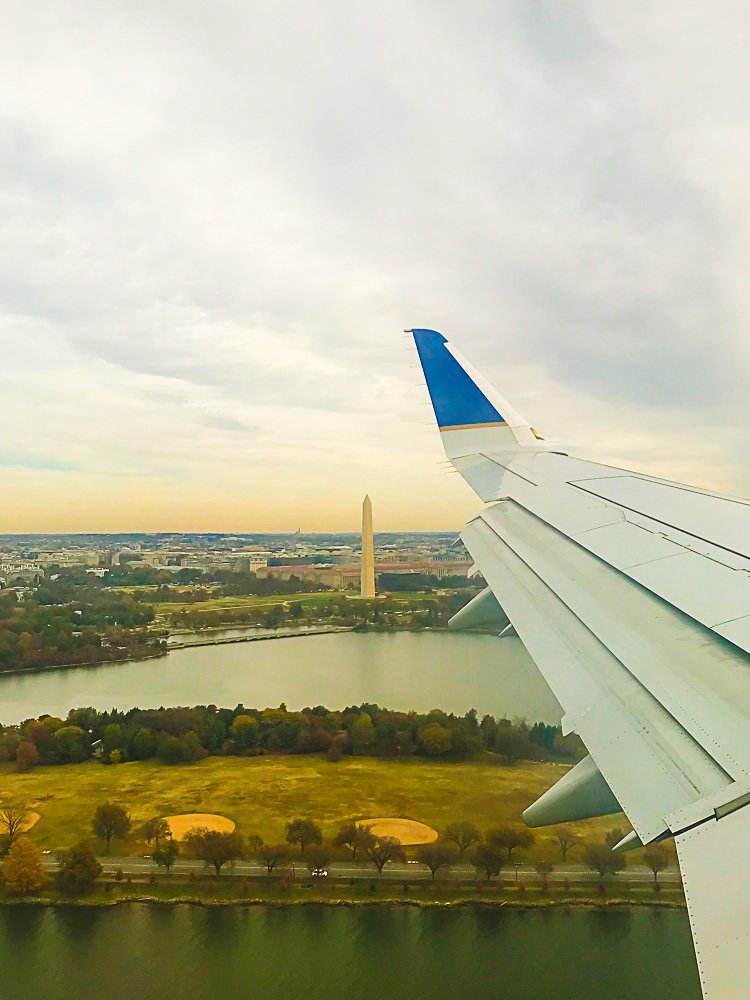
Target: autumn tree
{"x": 244, "y": 730}
{"x": 488, "y": 860}
{"x": 13, "y": 816}
{"x": 273, "y": 855}
{"x": 303, "y": 832}
{"x": 657, "y": 859}
{"x": 385, "y": 849}
{"x": 362, "y": 734}
{"x": 78, "y": 869}
{"x": 110, "y": 820}
{"x": 435, "y": 739}
{"x": 27, "y": 755}
{"x": 156, "y": 829}
{"x": 566, "y": 839}
{"x": 214, "y": 847}
{"x": 23, "y": 871}
{"x": 356, "y": 836}
{"x": 510, "y": 837}
{"x": 463, "y": 834}
{"x": 439, "y": 854}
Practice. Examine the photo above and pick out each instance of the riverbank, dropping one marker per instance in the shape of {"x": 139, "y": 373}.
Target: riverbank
{"x": 217, "y": 640}
{"x": 163, "y": 651}
{"x": 231, "y": 891}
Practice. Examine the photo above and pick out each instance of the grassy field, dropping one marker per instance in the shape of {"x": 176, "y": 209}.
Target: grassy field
{"x": 247, "y": 601}
{"x": 262, "y": 793}
{"x": 319, "y": 600}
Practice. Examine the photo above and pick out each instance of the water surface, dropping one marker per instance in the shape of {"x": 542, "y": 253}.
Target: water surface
{"x": 376, "y": 953}
{"x": 400, "y": 670}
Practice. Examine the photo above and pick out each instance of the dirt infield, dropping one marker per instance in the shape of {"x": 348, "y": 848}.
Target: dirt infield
{"x": 408, "y": 831}
{"x": 180, "y": 824}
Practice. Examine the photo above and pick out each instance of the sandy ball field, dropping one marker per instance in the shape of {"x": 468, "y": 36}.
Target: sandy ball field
{"x": 179, "y": 825}
{"x": 408, "y": 831}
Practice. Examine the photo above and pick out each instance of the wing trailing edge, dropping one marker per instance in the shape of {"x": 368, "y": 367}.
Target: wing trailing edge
{"x": 632, "y": 595}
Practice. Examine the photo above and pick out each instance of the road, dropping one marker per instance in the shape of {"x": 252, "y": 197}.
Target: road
{"x": 398, "y": 870}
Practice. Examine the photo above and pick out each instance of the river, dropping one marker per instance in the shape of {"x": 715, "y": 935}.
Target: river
{"x": 373, "y": 953}
{"x": 400, "y": 670}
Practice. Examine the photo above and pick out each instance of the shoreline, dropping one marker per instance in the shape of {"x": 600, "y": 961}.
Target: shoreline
{"x": 15, "y": 671}
{"x": 334, "y": 629}
{"x": 461, "y": 902}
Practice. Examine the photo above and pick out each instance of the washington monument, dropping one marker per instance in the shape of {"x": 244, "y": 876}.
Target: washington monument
{"x": 367, "y": 570}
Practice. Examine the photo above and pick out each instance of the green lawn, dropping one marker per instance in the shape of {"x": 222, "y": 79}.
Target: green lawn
{"x": 262, "y": 793}
{"x": 266, "y": 600}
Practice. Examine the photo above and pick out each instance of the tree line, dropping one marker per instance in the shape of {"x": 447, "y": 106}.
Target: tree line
{"x": 177, "y": 735}
{"x": 99, "y": 626}
{"x": 488, "y": 853}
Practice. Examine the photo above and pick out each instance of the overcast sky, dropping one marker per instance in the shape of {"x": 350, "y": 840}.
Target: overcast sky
{"x": 217, "y": 218}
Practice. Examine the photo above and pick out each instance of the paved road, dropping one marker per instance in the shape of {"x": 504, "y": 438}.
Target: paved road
{"x": 400, "y": 870}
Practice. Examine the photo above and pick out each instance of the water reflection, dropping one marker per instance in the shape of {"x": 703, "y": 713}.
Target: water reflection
{"x": 363, "y": 953}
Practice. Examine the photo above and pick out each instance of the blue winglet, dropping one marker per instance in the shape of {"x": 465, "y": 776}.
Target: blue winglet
{"x": 456, "y": 399}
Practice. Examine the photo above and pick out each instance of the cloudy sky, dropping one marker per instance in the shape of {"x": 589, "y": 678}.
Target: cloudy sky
{"x": 217, "y": 217}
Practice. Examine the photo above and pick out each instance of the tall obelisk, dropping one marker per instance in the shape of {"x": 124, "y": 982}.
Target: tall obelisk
{"x": 367, "y": 569}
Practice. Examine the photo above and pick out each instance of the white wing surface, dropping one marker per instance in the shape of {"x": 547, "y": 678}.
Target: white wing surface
{"x": 632, "y": 594}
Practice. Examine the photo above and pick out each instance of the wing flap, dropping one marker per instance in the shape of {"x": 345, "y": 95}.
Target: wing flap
{"x": 715, "y": 867}
{"x": 621, "y": 723}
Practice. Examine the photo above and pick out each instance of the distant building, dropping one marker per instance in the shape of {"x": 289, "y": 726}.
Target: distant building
{"x": 335, "y": 577}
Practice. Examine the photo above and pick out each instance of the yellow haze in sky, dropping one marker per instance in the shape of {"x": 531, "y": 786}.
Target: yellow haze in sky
{"x": 44, "y": 501}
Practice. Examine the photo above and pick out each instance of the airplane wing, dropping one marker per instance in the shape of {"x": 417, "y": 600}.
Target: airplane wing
{"x": 632, "y": 594}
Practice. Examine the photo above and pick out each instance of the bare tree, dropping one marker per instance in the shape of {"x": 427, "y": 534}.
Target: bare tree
{"x": 214, "y": 847}
{"x": 13, "y": 816}
{"x": 156, "y": 829}
{"x": 565, "y": 840}
{"x": 439, "y": 854}
{"x": 273, "y": 855}
{"x": 657, "y": 859}
{"x": 354, "y": 835}
{"x": 385, "y": 849}
{"x": 254, "y": 842}
{"x": 317, "y": 858}
{"x": 463, "y": 834}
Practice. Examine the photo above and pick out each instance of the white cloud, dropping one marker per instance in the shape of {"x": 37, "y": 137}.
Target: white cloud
{"x": 215, "y": 220}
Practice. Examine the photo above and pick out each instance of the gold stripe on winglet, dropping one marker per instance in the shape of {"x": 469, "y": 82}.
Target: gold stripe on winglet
{"x": 472, "y": 427}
